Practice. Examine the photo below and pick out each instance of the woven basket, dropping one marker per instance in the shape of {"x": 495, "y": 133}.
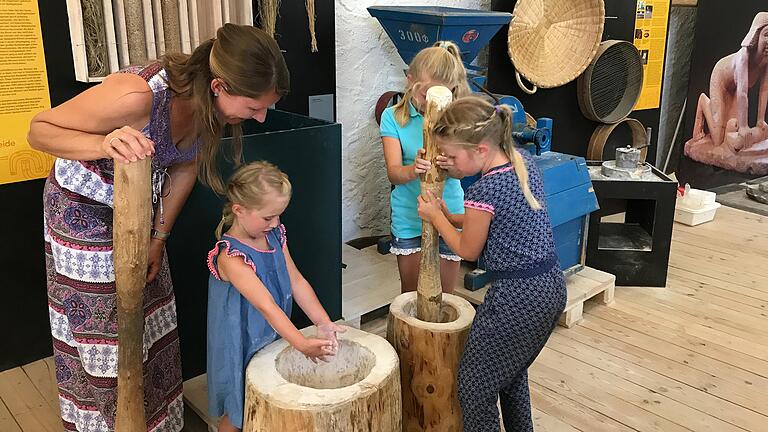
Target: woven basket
{"x": 551, "y": 42}
{"x": 610, "y": 86}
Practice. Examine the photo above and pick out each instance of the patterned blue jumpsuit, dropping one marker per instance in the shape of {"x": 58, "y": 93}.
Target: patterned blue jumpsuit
{"x": 521, "y": 307}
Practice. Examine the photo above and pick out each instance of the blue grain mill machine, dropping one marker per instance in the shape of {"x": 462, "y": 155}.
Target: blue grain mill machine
{"x": 568, "y": 188}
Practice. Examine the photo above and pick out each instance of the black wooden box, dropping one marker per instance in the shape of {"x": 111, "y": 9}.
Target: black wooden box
{"x": 630, "y": 235}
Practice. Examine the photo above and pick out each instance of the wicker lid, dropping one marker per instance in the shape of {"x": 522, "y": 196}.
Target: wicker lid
{"x": 551, "y": 42}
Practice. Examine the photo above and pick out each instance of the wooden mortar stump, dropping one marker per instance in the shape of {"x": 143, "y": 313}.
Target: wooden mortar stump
{"x": 358, "y": 390}
{"x": 430, "y": 353}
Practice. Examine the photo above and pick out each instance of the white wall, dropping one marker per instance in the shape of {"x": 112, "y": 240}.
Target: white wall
{"x": 367, "y": 65}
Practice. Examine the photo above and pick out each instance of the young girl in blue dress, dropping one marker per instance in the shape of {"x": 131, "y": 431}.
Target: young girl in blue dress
{"x": 505, "y": 221}
{"x": 251, "y": 288}
{"x": 402, "y": 138}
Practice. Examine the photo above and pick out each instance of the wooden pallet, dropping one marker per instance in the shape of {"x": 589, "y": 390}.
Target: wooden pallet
{"x": 582, "y": 286}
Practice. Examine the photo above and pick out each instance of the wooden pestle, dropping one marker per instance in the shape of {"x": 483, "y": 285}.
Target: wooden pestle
{"x": 131, "y": 229}
{"x": 430, "y": 292}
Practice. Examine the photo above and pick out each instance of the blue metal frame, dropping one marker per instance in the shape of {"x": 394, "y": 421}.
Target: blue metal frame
{"x": 413, "y": 28}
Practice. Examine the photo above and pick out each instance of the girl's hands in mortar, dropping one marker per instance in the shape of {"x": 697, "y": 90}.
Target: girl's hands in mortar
{"x": 329, "y": 331}
{"x": 317, "y": 349}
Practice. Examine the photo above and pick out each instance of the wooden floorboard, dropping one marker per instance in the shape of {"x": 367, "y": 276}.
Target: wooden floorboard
{"x": 721, "y": 414}
{"x": 26, "y": 404}
{"x": 658, "y": 331}
{"x": 716, "y": 285}
{"x": 717, "y": 295}
{"x": 7, "y": 422}
{"x": 42, "y": 374}
{"x": 699, "y": 317}
{"x": 686, "y": 369}
{"x": 572, "y": 412}
{"x": 689, "y": 357}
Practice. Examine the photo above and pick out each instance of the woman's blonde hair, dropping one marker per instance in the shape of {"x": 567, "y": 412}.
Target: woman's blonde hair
{"x": 248, "y": 186}
{"x": 250, "y": 64}
{"x": 440, "y": 62}
{"x": 470, "y": 120}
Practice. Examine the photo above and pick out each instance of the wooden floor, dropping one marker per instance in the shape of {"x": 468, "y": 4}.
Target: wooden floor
{"x": 28, "y": 398}
{"x": 691, "y": 357}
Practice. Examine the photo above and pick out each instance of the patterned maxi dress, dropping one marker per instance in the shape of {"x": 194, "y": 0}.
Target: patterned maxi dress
{"x": 81, "y": 288}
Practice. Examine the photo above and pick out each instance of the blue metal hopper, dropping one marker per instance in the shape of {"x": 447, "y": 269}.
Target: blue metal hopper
{"x": 413, "y": 28}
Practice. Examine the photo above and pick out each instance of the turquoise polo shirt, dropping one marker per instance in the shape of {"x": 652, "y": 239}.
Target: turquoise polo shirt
{"x": 405, "y": 215}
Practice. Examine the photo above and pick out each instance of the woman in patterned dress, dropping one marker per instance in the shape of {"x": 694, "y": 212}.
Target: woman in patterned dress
{"x": 505, "y": 221}
{"x": 173, "y": 111}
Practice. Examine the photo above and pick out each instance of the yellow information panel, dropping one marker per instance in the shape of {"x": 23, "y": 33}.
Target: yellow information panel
{"x": 23, "y": 90}
{"x": 651, "y": 40}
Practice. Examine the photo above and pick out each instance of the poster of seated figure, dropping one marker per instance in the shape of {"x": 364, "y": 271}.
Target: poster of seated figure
{"x": 727, "y": 118}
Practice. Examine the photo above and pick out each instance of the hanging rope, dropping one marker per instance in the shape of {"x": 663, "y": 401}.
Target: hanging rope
{"x": 268, "y": 11}
{"x": 311, "y": 17}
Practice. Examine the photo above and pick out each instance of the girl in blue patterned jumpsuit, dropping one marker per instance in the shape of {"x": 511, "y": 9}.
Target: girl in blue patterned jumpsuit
{"x": 505, "y": 221}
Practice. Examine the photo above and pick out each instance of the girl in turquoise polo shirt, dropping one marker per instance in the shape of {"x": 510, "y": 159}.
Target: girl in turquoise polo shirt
{"x": 401, "y": 135}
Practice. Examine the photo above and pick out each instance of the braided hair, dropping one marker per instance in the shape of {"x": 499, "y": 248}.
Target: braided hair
{"x": 472, "y": 119}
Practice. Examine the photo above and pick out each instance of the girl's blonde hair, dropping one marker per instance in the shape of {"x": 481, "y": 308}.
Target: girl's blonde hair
{"x": 248, "y": 186}
{"x": 440, "y": 62}
{"x": 249, "y": 62}
{"x": 470, "y": 120}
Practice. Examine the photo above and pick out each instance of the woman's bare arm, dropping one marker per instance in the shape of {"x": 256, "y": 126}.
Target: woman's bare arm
{"x": 101, "y": 122}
